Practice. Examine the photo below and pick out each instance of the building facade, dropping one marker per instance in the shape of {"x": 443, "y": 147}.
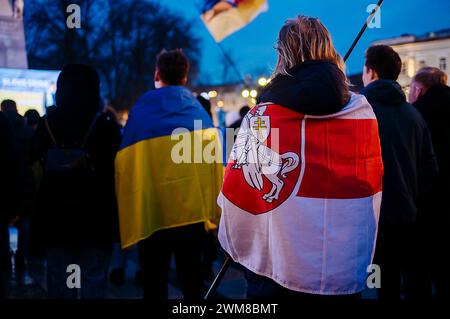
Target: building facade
{"x": 432, "y": 49}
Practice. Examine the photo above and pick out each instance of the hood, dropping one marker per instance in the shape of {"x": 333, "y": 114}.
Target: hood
{"x": 77, "y": 102}
{"x": 78, "y": 91}
{"x": 313, "y": 87}
{"x": 386, "y": 92}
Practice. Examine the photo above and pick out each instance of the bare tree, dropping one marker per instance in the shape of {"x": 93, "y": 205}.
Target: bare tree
{"x": 121, "y": 38}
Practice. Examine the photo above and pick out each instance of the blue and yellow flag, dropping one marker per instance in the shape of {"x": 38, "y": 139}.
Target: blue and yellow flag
{"x": 168, "y": 169}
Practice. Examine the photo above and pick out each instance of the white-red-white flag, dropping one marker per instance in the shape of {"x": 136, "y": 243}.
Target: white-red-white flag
{"x": 301, "y": 197}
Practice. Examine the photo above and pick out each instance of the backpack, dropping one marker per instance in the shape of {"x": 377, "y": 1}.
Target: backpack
{"x": 69, "y": 177}
{"x": 68, "y": 160}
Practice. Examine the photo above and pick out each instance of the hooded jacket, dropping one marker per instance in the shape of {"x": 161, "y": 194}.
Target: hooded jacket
{"x": 77, "y": 97}
{"x": 313, "y": 88}
{"x": 409, "y": 162}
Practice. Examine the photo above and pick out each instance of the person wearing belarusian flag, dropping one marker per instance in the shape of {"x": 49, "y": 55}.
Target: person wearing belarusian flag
{"x": 302, "y": 189}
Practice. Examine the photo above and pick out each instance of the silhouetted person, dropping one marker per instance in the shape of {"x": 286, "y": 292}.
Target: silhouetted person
{"x": 409, "y": 169}
{"x": 23, "y": 136}
{"x": 34, "y": 247}
{"x": 431, "y": 96}
{"x": 77, "y": 205}
{"x": 9, "y": 174}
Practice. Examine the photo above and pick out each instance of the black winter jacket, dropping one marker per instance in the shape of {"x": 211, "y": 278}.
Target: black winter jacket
{"x": 434, "y": 106}
{"x": 410, "y": 165}
{"x": 435, "y": 109}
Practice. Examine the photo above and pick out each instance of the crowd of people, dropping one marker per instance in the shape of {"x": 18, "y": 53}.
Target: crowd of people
{"x": 74, "y": 183}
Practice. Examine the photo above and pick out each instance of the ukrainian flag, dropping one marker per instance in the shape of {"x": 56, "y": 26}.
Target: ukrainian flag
{"x": 168, "y": 169}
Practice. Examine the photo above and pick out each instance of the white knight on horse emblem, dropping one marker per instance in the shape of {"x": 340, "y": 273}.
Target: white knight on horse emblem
{"x": 256, "y": 159}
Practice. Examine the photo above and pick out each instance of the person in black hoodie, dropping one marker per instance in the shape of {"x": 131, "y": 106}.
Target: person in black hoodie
{"x": 431, "y": 96}
{"x": 78, "y": 211}
{"x": 410, "y": 167}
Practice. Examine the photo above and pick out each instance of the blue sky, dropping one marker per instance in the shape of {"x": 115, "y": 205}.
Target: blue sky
{"x": 252, "y": 47}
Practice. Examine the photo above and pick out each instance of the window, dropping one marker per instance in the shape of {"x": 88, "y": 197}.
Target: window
{"x": 443, "y": 64}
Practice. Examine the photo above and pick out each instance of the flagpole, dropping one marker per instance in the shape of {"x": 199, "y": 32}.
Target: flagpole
{"x": 363, "y": 29}
{"x": 226, "y": 264}
{"x": 223, "y": 270}
{"x": 231, "y": 63}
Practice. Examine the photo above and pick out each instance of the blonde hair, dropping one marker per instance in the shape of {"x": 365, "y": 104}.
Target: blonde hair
{"x": 303, "y": 39}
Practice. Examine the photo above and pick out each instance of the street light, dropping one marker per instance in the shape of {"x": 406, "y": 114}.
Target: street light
{"x": 220, "y": 103}
{"x": 212, "y": 94}
{"x": 253, "y": 93}
{"x": 263, "y": 81}
{"x": 245, "y": 93}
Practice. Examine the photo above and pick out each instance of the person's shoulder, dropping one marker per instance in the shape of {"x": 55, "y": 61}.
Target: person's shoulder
{"x": 147, "y": 98}
{"x": 413, "y": 114}
{"x": 146, "y": 103}
{"x": 410, "y": 109}
{"x": 438, "y": 96}
{"x": 439, "y": 91}
{"x": 5, "y": 126}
